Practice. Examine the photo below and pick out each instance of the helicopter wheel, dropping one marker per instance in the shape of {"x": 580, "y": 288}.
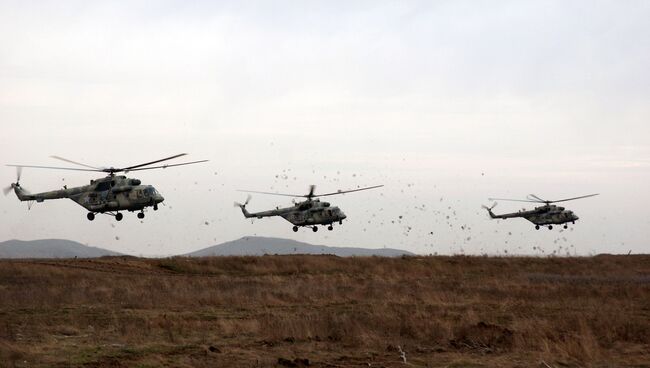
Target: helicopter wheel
{"x": 566, "y": 226}
{"x": 155, "y": 207}
{"x": 295, "y": 229}
{"x": 340, "y": 222}
{"x": 90, "y": 216}
{"x": 314, "y": 229}
{"x": 536, "y": 227}
{"x": 330, "y": 228}
{"x": 141, "y": 215}
{"x": 118, "y": 216}
{"x": 550, "y": 227}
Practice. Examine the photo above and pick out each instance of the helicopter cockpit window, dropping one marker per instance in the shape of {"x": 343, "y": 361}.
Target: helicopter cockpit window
{"x": 148, "y": 192}
{"x": 103, "y": 186}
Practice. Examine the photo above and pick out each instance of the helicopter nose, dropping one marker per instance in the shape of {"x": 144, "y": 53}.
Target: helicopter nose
{"x": 159, "y": 198}
{"x": 343, "y": 216}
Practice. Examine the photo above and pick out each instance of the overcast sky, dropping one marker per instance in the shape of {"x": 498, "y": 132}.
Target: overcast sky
{"x": 447, "y": 103}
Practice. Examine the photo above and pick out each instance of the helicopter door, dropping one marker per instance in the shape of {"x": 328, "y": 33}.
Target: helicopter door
{"x": 92, "y": 198}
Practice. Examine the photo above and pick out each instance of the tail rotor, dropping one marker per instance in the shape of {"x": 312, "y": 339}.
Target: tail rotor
{"x": 19, "y": 172}
{"x": 489, "y": 209}
{"x": 242, "y": 206}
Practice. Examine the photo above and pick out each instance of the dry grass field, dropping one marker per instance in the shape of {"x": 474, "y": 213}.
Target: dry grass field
{"x": 323, "y": 311}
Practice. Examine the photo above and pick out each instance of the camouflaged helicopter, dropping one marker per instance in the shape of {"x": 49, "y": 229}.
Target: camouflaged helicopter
{"x": 107, "y": 195}
{"x": 546, "y": 215}
{"x": 307, "y": 213}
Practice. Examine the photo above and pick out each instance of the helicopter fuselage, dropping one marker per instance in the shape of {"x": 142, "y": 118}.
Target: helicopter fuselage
{"x": 109, "y": 194}
{"x": 541, "y": 216}
{"x": 306, "y": 213}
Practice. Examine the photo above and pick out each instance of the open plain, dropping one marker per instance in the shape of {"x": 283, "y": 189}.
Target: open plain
{"x": 325, "y": 311}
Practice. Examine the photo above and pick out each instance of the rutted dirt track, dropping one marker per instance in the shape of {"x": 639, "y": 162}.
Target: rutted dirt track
{"x": 322, "y": 311}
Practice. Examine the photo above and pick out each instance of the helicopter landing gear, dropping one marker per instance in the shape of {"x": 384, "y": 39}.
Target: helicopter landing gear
{"x": 536, "y": 227}
{"x": 314, "y": 229}
{"x": 90, "y": 216}
{"x": 118, "y": 216}
{"x": 141, "y": 215}
{"x": 340, "y": 222}
{"x": 566, "y": 226}
{"x": 330, "y": 228}
{"x": 155, "y": 207}
{"x": 550, "y": 227}
{"x": 295, "y": 229}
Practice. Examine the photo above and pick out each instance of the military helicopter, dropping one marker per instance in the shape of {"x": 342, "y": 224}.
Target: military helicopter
{"x": 307, "y": 213}
{"x": 546, "y": 215}
{"x": 107, "y": 195}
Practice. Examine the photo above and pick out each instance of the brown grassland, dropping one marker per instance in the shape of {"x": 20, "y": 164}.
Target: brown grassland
{"x": 324, "y": 311}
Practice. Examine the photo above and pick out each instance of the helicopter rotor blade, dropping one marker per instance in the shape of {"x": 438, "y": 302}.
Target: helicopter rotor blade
{"x": 56, "y": 168}
{"x": 130, "y": 168}
{"x": 311, "y": 192}
{"x": 571, "y": 199}
{"x": 271, "y": 193}
{"x": 348, "y": 191}
{"x": 164, "y": 166}
{"x": 536, "y": 198}
{"x": 19, "y": 171}
{"x": 514, "y": 200}
{"x": 76, "y": 163}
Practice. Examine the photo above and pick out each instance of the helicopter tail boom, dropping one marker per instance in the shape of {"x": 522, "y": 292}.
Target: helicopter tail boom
{"x": 492, "y": 215}
{"x": 243, "y": 207}
{"x": 22, "y": 194}
{"x": 244, "y": 211}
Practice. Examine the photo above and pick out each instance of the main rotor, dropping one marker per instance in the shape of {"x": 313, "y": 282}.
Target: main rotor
{"x": 111, "y": 171}
{"x": 531, "y": 198}
{"x": 312, "y": 194}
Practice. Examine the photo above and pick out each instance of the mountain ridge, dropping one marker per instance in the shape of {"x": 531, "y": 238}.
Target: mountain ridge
{"x": 245, "y": 246}
{"x": 50, "y": 248}
{"x": 258, "y": 246}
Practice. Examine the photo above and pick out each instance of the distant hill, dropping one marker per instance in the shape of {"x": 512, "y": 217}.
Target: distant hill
{"x": 257, "y": 246}
{"x": 50, "y": 248}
